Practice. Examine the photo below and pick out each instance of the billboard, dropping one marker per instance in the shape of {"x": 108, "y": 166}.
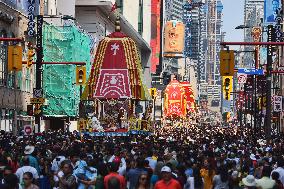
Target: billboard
{"x": 270, "y": 8}
{"x": 174, "y": 39}
{"x": 155, "y": 34}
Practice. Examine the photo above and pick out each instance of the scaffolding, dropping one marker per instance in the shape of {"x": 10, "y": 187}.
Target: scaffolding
{"x": 66, "y": 43}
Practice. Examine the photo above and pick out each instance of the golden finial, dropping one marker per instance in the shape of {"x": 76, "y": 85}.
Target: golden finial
{"x": 117, "y": 24}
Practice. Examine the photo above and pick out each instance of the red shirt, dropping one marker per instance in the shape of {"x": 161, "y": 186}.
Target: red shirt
{"x": 172, "y": 184}
{"x": 119, "y": 177}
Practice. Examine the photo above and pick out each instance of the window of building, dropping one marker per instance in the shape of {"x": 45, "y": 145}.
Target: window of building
{"x": 45, "y": 7}
{"x": 119, "y": 4}
{"x": 28, "y": 81}
{"x": 3, "y": 59}
{"x": 140, "y": 17}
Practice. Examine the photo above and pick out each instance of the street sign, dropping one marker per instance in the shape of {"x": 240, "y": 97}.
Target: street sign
{"x": 242, "y": 78}
{"x": 277, "y": 101}
{"x": 28, "y": 129}
{"x": 38, "y": 93}
{"x": 37, "y": 100}
{"x": 251, "y": 71}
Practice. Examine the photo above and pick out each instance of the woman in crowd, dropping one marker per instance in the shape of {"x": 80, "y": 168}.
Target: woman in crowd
{"x": 207, "y": 172}
{"x": 221, "y": 180}
{"x": 143, "y": 181}
{"x": 28, "y": 181}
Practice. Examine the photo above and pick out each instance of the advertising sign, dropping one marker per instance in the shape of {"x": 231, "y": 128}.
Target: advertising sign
{"x": 270, "y": 8}
{"x": 277, "y": 103}
{"x": 174, "y": 39}
{"x": 31, "y": 17}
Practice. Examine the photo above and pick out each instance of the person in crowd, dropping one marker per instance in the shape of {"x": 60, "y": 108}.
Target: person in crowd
{"x": 10, "y": 182}
{"x": 280, "y": 169}
{"x": 278, "y": 183}
{"x": 26, "y": 168}
{"x": 157, "y": 173}
{"x": 67, "y": 180}
{"x": 114, "y": 177}
{"x": 249, "y": 182}
{"x": 143, "y": 181}
{"x": 28, "y": 181}
{"x": 33, "y": 162}
{"x": 133, "y": 174}
{"x": 221, "y": 180}
{"x": 167, "y": 181}
{"x": 265, "y": 182}
{"x": 207, "y": 173}
{"x": 102, "y": 172}
{"x": 7, "y": 171}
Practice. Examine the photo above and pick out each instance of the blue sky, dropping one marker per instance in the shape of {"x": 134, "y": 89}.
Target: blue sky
{"x": 233, "y": 16}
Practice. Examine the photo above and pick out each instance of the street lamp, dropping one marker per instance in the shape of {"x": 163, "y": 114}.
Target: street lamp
{"x": 242, "y": 27}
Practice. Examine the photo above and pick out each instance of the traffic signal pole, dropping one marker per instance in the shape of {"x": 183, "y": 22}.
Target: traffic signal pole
{"x": 39, "y": 60}
{"x": 269, "y": 72}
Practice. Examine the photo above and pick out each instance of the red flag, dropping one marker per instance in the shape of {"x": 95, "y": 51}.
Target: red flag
{"x": 114, "y": 7}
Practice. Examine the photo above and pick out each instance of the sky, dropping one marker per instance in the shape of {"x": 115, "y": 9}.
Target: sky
{"x": 233, "y": 16}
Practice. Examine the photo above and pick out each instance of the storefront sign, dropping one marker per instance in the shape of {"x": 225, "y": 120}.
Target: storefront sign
{"x": 278, "y": 26}
{"x": 277, "y": 103}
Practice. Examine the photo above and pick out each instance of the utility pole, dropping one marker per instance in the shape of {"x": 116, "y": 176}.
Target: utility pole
{"x": 270, "y": 30}
{"x": 39, "y": 60}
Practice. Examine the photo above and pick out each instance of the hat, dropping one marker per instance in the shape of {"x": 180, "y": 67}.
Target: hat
{"x": 249, "y": 181}
{"x": 29, "y": 150}
{"x": 252, "y": 157}
{"x": 166, "y": 169}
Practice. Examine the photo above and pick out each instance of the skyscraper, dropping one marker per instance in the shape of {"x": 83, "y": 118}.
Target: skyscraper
{"x": 253, "y": 14}
{"x": 204, "y": 34}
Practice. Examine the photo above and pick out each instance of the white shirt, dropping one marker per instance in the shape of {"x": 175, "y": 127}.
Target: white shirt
{"x": 189, "y": 183}
{"x": 20, "y": 172}
{"x": 152, "y": 162}
{"x": 280, "y": 170}
{"x": 55, "y": 166}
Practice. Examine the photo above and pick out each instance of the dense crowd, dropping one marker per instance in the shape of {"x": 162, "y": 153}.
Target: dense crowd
{"x": 193, "y": 157}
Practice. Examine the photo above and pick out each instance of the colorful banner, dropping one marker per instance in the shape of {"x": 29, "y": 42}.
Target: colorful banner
{"x": 146, "y": 133}
{"x": 270, "y": 8}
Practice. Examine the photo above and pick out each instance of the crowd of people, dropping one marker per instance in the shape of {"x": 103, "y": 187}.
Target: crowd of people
{"x": 195, "y": 157}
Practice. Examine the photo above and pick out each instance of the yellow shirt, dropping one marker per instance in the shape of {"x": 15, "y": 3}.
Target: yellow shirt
{"x": 208, "y": 180}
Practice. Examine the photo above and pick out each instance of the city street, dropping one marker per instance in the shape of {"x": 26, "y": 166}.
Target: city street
{"x": 141, "y": 94}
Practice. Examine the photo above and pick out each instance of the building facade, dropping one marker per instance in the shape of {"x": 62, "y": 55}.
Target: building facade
{"x": 203, "y": 21}
{"x": 16, "y": 88}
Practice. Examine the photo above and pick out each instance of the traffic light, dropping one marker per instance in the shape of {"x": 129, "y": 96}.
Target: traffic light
{"x": 227, "y": 63}
{"x": 153, "y": 92}
{"x": 227, "y": 87}
{"x": 30, "y": 57}
{"x": 15, "y": 54}
{"x": 166, "y": 78}
{"x": 80, "y": 75}
{"x": 30, "y": 110}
